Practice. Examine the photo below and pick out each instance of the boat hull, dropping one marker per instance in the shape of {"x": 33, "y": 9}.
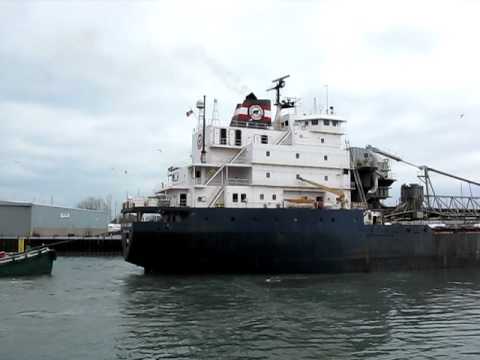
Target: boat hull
{"x": 287, "y": 241}
{"x": 38, "y": 262}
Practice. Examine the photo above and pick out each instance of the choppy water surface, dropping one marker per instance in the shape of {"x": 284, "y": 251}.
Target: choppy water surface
{"x": 103, "y": 308}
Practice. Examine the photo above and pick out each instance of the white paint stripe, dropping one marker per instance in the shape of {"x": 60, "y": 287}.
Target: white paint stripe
{"x": 241, "y": 111}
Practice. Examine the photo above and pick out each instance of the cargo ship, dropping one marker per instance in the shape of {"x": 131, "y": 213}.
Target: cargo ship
{"x": 285, "y": 193}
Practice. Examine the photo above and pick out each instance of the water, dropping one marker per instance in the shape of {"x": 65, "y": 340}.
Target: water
{"x": 104, "y": 308}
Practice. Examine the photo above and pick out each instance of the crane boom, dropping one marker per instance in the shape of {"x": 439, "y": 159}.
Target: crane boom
{"x": 338, "y": 192}
{"x": 420, "y": 167}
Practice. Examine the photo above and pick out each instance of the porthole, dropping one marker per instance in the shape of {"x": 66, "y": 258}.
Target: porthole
{"x": 295, "y": 220}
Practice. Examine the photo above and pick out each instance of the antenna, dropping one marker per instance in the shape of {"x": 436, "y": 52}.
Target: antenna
{"x": 279, "y": 83}
{"x": 215, "y": 112}
{"x": 326, "y": 96}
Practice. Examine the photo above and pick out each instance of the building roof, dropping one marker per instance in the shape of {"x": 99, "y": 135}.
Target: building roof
{"x": 15, "y": 203}
{"x": 30, "y": 204}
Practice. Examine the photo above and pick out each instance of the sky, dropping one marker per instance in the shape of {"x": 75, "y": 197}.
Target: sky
{"x": 93, "y": 94}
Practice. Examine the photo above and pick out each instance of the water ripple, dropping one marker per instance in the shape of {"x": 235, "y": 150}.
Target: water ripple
{"x": 97, "y": 308}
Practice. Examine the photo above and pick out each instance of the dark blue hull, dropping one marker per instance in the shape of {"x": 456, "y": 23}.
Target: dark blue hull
{"x": 195, "y": 240}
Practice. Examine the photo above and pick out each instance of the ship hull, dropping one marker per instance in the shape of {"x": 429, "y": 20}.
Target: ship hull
{"x": 274, "y": 241}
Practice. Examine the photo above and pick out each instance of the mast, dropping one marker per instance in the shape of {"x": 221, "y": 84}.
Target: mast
{"x": 279, "y": 83}
{"x": 201, "y": 109}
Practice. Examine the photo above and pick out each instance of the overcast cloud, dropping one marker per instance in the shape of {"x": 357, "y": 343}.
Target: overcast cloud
{"x": 90, "y": 90}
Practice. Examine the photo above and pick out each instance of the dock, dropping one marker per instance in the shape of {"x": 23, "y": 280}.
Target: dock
{"x": 101, "y": 245}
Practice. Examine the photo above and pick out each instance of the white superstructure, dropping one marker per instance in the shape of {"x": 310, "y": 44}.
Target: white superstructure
{"x": 298, "y": 160}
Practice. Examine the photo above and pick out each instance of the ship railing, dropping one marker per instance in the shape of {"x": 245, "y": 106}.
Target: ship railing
{"x": 238, "y": 181}
{"x": 216, "y": 196}
{"x": 251, "y": 125}
{"x": 284, "y": 137}
{"x": 220, "y": 169}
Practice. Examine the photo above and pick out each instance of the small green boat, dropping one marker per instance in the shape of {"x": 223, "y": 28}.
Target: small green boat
{"x": 28, "y": 263}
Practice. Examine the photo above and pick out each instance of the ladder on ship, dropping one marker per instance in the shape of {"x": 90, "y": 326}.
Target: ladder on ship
{"x": 220, "y": 190}
{"x": 356, "y": 176}
{"x": 284, "y": 137}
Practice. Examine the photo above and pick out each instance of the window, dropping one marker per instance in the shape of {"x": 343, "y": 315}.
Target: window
{"x": 262, "y": 196}
{"x": 325, "y": 157}
{"x": 183, "y": 199}
{"x": 274, "y": 196}
{"x": 315, "y": 122}
{"x": 198, "y": 173}
{"x": 264, "y": 139}
{"x": 297, "y": 155}
{"x": 267, "y": 174}
{"x": 223, "y": 136}
{"x": 326, "y": 122}
{"x": 243, "y": 197}
{"x": 334, "y": 122}
{"x": 238, "y": 137}
{"x": 235, "y": 197}
{"x": 325, "y": 178}
{"x": 267, "y": 153}
{"x": 322, "y": 140}
{"x": 286, "y": 123}
{"x": 345, "y": 171}
{"x": 365, "y": 155}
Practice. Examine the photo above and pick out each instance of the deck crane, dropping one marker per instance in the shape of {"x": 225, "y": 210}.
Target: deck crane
{"x": 340, "y": 194}
{"x": 430, "y": 192}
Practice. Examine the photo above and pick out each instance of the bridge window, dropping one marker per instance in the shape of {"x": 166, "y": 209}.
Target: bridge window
{"x": 315, "y": 122}
{"x": 238, "y": 137}
{"x": 235, "y": 197}
{"x": 334, "y": 122}
{"x": 223, "y": 136}
{"x": 326, "y": 122}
